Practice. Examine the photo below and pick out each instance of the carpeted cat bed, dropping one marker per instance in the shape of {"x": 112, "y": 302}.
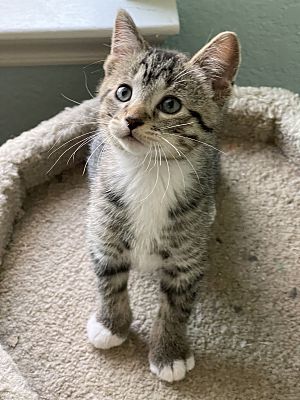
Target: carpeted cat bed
{"x": 246, "y": 329}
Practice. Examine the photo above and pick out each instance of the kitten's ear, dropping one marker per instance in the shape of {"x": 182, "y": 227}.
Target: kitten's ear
{"x": 126, "y": 38}
{"x": 220, "y": 59}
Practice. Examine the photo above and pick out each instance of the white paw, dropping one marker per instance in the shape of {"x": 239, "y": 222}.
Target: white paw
{"x": 101, "y": 337}
{"x": 175, "y": 371}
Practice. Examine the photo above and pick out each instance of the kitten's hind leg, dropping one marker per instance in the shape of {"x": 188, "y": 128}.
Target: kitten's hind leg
{"x": 109, "y": 326}
{"x": 170, "y": 356}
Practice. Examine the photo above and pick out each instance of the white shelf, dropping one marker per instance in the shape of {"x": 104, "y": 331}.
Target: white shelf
{"x": 43, "y": 32}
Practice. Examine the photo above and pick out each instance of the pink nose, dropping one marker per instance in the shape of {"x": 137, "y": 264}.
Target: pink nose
{"x": 133, "y": 122}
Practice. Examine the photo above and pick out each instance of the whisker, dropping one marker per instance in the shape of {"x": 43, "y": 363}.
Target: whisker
{"x": 169, "y": 175}
{"x": 150, "y": 158}
{"x": 157, "y": 175}
{"x": 65, "y": 153}
{"x": 76, "y": 102}
{"x": 68, "y": 98}
{"x": 84, "y": 142}
{"x": 101, "y": 152}
{"x": 178, "y": 151}
{"x": 87, "y": 161}
{"x": 148, "y": 153}
{"x": 71, "y": 140}
{"x": 142, "y": 163}
{"x": 79, "y": 141}
{"x": 70, "y": 124}
{"x": 196, "y": 140}
{"x": 175, "y": 159}
{"x": 171, "y": 145}
{"x": 93, "y": 63}
{"x": 154, "y": 158}
{"x": 175, "y": 126}
{"x": 86, "y": 85}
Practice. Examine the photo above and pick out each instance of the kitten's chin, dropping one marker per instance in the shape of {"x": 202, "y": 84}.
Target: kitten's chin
{"x": 132, "y": 145}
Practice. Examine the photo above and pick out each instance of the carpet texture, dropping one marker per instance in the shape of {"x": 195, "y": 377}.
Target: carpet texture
{"x": 246, "y": 327}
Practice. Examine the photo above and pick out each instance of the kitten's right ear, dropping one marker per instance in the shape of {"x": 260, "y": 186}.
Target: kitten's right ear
{"x": 126, "y": 39}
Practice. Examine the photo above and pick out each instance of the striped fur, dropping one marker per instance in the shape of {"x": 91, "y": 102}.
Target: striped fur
{"x": 152, "y": 202}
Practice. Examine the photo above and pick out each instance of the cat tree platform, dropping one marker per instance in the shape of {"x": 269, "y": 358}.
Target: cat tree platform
{"x": 246, "y": 329}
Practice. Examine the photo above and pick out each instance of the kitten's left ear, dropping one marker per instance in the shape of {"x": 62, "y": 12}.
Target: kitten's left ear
{"x": 220, "y": 60}
{"x": 126, "y": 38}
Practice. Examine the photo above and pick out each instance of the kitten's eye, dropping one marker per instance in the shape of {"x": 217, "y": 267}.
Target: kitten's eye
{"x": 124, "y": 93}
{"x": 170, "y": 105}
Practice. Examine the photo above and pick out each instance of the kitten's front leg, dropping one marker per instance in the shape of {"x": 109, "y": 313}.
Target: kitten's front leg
{"x": 109, "y": 326}
{"x": 170, "y": 356}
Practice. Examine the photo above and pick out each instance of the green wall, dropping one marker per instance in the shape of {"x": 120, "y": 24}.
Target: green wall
{"x": 29, "y": 95}
{"x": 269, "y": 31}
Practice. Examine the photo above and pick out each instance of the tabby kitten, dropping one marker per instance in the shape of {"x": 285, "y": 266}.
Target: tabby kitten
{"x": 153, "y": 168}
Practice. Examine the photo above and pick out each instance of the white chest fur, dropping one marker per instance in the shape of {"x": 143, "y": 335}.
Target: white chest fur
{"x": 150, "y": 193}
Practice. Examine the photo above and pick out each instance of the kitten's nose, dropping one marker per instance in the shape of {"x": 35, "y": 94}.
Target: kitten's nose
{"x": 133, "y": 122}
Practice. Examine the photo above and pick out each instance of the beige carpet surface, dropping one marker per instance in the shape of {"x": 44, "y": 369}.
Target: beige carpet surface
{"x": 245, "y": 331}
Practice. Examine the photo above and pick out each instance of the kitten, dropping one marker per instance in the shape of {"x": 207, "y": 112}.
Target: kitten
{"x": 153, "y": 169}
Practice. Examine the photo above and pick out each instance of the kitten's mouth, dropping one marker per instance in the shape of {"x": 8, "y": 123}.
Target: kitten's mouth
{"x": 131, "y": 143}
{"x": 131, "y": 138}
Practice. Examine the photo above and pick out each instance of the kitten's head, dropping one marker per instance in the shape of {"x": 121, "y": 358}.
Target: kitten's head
{"x": 161, "y": 99}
